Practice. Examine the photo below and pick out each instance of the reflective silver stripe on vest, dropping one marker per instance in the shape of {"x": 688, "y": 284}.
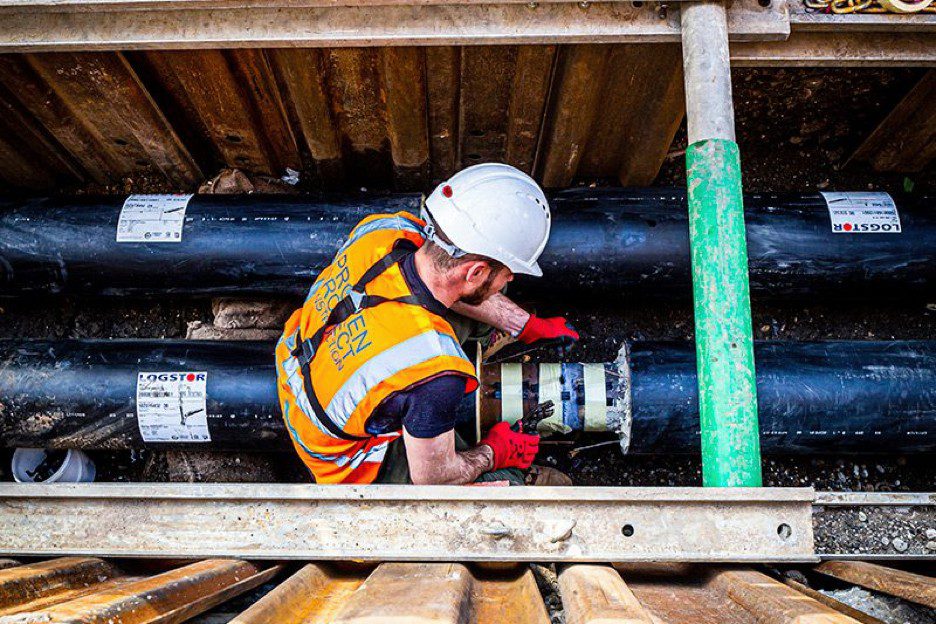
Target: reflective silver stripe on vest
{"x": 410, "y": 352}
{"x": 384, "y": 223}
{"x": 294, "y": 381}
{"x": 373, "y": 454}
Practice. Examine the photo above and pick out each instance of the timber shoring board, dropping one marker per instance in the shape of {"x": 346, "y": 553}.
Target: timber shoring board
{"x": 442, "y": 593}
{"x": 406, "y": 523}
{"x": 907, "y": 585}
{"x": 906, "y": 140}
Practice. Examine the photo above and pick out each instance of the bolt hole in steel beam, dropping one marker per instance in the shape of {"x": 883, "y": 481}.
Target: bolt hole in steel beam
{"x": 784, "y": 531}
{"x": 407, "y": 523}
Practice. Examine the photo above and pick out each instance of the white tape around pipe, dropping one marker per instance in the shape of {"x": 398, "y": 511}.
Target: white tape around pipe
{"x": 511, "y": 392}
{"x": 596, "y": 398}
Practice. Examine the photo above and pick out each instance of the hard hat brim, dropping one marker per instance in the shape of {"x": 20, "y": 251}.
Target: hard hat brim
{"x": 533, "y": 269}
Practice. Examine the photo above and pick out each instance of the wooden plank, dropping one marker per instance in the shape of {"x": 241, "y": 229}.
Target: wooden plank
{"x": 832, "y": 603}
{"x": 35, "y": 581}
{"x": 355, "y": 89}
{"x": 509, "y": 596}
{"x": 839, "y": 49}
{"x": 410, "y": 592}
{"x": 906, "y": 140}
{"x": 532, "y": 78}
{"x": 907, "y": 585}
{"x": 593, "y": 594}
{"x": 682, "y": 594}
{"x": 229, "y": 101}
{"x": 181, "y": 27}
{"x": 29, "y": 156}
{"x": 312, "y": 596}
{"x": 642, "y": 107}
{"x": 404, "y": 87}
{"x": 443, "y": 77}
{"x": 95, "y": 107}
{"x": 173, "y": 596}
{"x": 487, "y": 79}
{"x": 772, "y": 602}
{"x": 401, "y": 523}
{"x": 575, "y": 106}
{"x": 300, "y": 75}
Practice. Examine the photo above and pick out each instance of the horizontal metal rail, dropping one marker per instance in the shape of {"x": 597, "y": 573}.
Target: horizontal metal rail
{"x": 408, "y": 523}
{"x": 179, "y": 24}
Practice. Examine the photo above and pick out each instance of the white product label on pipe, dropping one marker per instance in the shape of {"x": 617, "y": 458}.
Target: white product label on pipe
{"x": 171, "y": 407}
{"x": 862, "y": 213}
{"x": 152, "y": 219}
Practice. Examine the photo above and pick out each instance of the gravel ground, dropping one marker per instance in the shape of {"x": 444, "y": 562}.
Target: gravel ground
{"x": 892, "y": 531}
{"x": 886, "y": 608}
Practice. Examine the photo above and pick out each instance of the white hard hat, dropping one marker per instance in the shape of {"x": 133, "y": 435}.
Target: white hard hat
{"x": 493, "y": 210}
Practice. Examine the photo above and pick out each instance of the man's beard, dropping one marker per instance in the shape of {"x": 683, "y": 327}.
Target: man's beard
{"x": 481, "y": 293}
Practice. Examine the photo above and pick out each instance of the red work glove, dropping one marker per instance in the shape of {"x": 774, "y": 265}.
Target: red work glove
{"x": 553, "y": 328}
{"x": 511, "y": 449}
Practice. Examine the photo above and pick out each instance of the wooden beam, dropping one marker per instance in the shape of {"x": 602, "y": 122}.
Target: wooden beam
{"x": 311, "y": 596}
{"x": 772, "y": 602}
{"x": 593, "y": 594}
{"x": 642, "y": 105}
{"x": 403, "y": 522}
{"x": 300, "y": 75}
{"x": 576, "y": 104}
{"x": 906, "y": 140}
{"x": 832, "y": 603}
{"x": 96, "y": 108}
{"x": 907, "y": 585}
{"x": 229, "y": 101}
{"x": 404, "y": 87}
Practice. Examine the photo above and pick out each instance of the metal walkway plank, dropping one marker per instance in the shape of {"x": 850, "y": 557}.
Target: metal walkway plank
{"x": 408, "y": 523}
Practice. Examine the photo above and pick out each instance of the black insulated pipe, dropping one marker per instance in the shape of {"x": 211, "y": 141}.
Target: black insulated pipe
{"x": 814, "y": 398}
{"x": 604, "y": 243}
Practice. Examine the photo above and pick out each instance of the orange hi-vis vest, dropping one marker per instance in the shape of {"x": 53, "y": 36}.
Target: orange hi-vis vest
{"x": 360, "y": 336}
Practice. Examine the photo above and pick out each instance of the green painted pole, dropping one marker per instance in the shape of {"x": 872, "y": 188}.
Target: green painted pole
{"x": 723, "y": 334}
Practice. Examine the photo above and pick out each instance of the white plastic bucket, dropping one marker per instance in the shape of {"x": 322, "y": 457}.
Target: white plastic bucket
{"x": 77, "y": 467}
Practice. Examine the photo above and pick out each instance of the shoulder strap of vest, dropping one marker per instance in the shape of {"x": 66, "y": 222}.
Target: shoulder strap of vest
{"x": 355, "y": 301}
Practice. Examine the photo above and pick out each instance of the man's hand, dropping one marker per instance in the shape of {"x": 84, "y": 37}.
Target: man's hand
{"x": 512, "y": 449}
{"x": 554, "y": 328}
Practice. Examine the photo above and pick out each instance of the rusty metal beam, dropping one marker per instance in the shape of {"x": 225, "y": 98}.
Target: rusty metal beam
{"x": 839, "y": 49}
{"x": 439, "y": 523}
{"x": 180, "y": 25}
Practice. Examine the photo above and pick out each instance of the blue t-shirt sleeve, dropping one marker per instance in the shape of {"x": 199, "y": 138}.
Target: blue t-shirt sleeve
{"x": 428, "y": 410}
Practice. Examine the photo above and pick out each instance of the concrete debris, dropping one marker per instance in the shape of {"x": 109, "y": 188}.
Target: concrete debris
{"x": 202, "y": 331}
{"x": 233, "y": 181}
{"x": 233, "y": 313}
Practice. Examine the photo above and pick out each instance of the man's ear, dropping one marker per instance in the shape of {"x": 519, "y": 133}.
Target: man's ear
{"x": 476, "y": 272}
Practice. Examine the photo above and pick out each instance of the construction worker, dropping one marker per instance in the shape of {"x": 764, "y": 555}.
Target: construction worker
{"x": 370, "y": 371}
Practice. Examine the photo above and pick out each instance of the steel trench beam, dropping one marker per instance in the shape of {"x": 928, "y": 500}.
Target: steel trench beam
{"x": 408, "y": 523}
{"x": 840, "y": 49}
{"x": 180, "y": 24}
